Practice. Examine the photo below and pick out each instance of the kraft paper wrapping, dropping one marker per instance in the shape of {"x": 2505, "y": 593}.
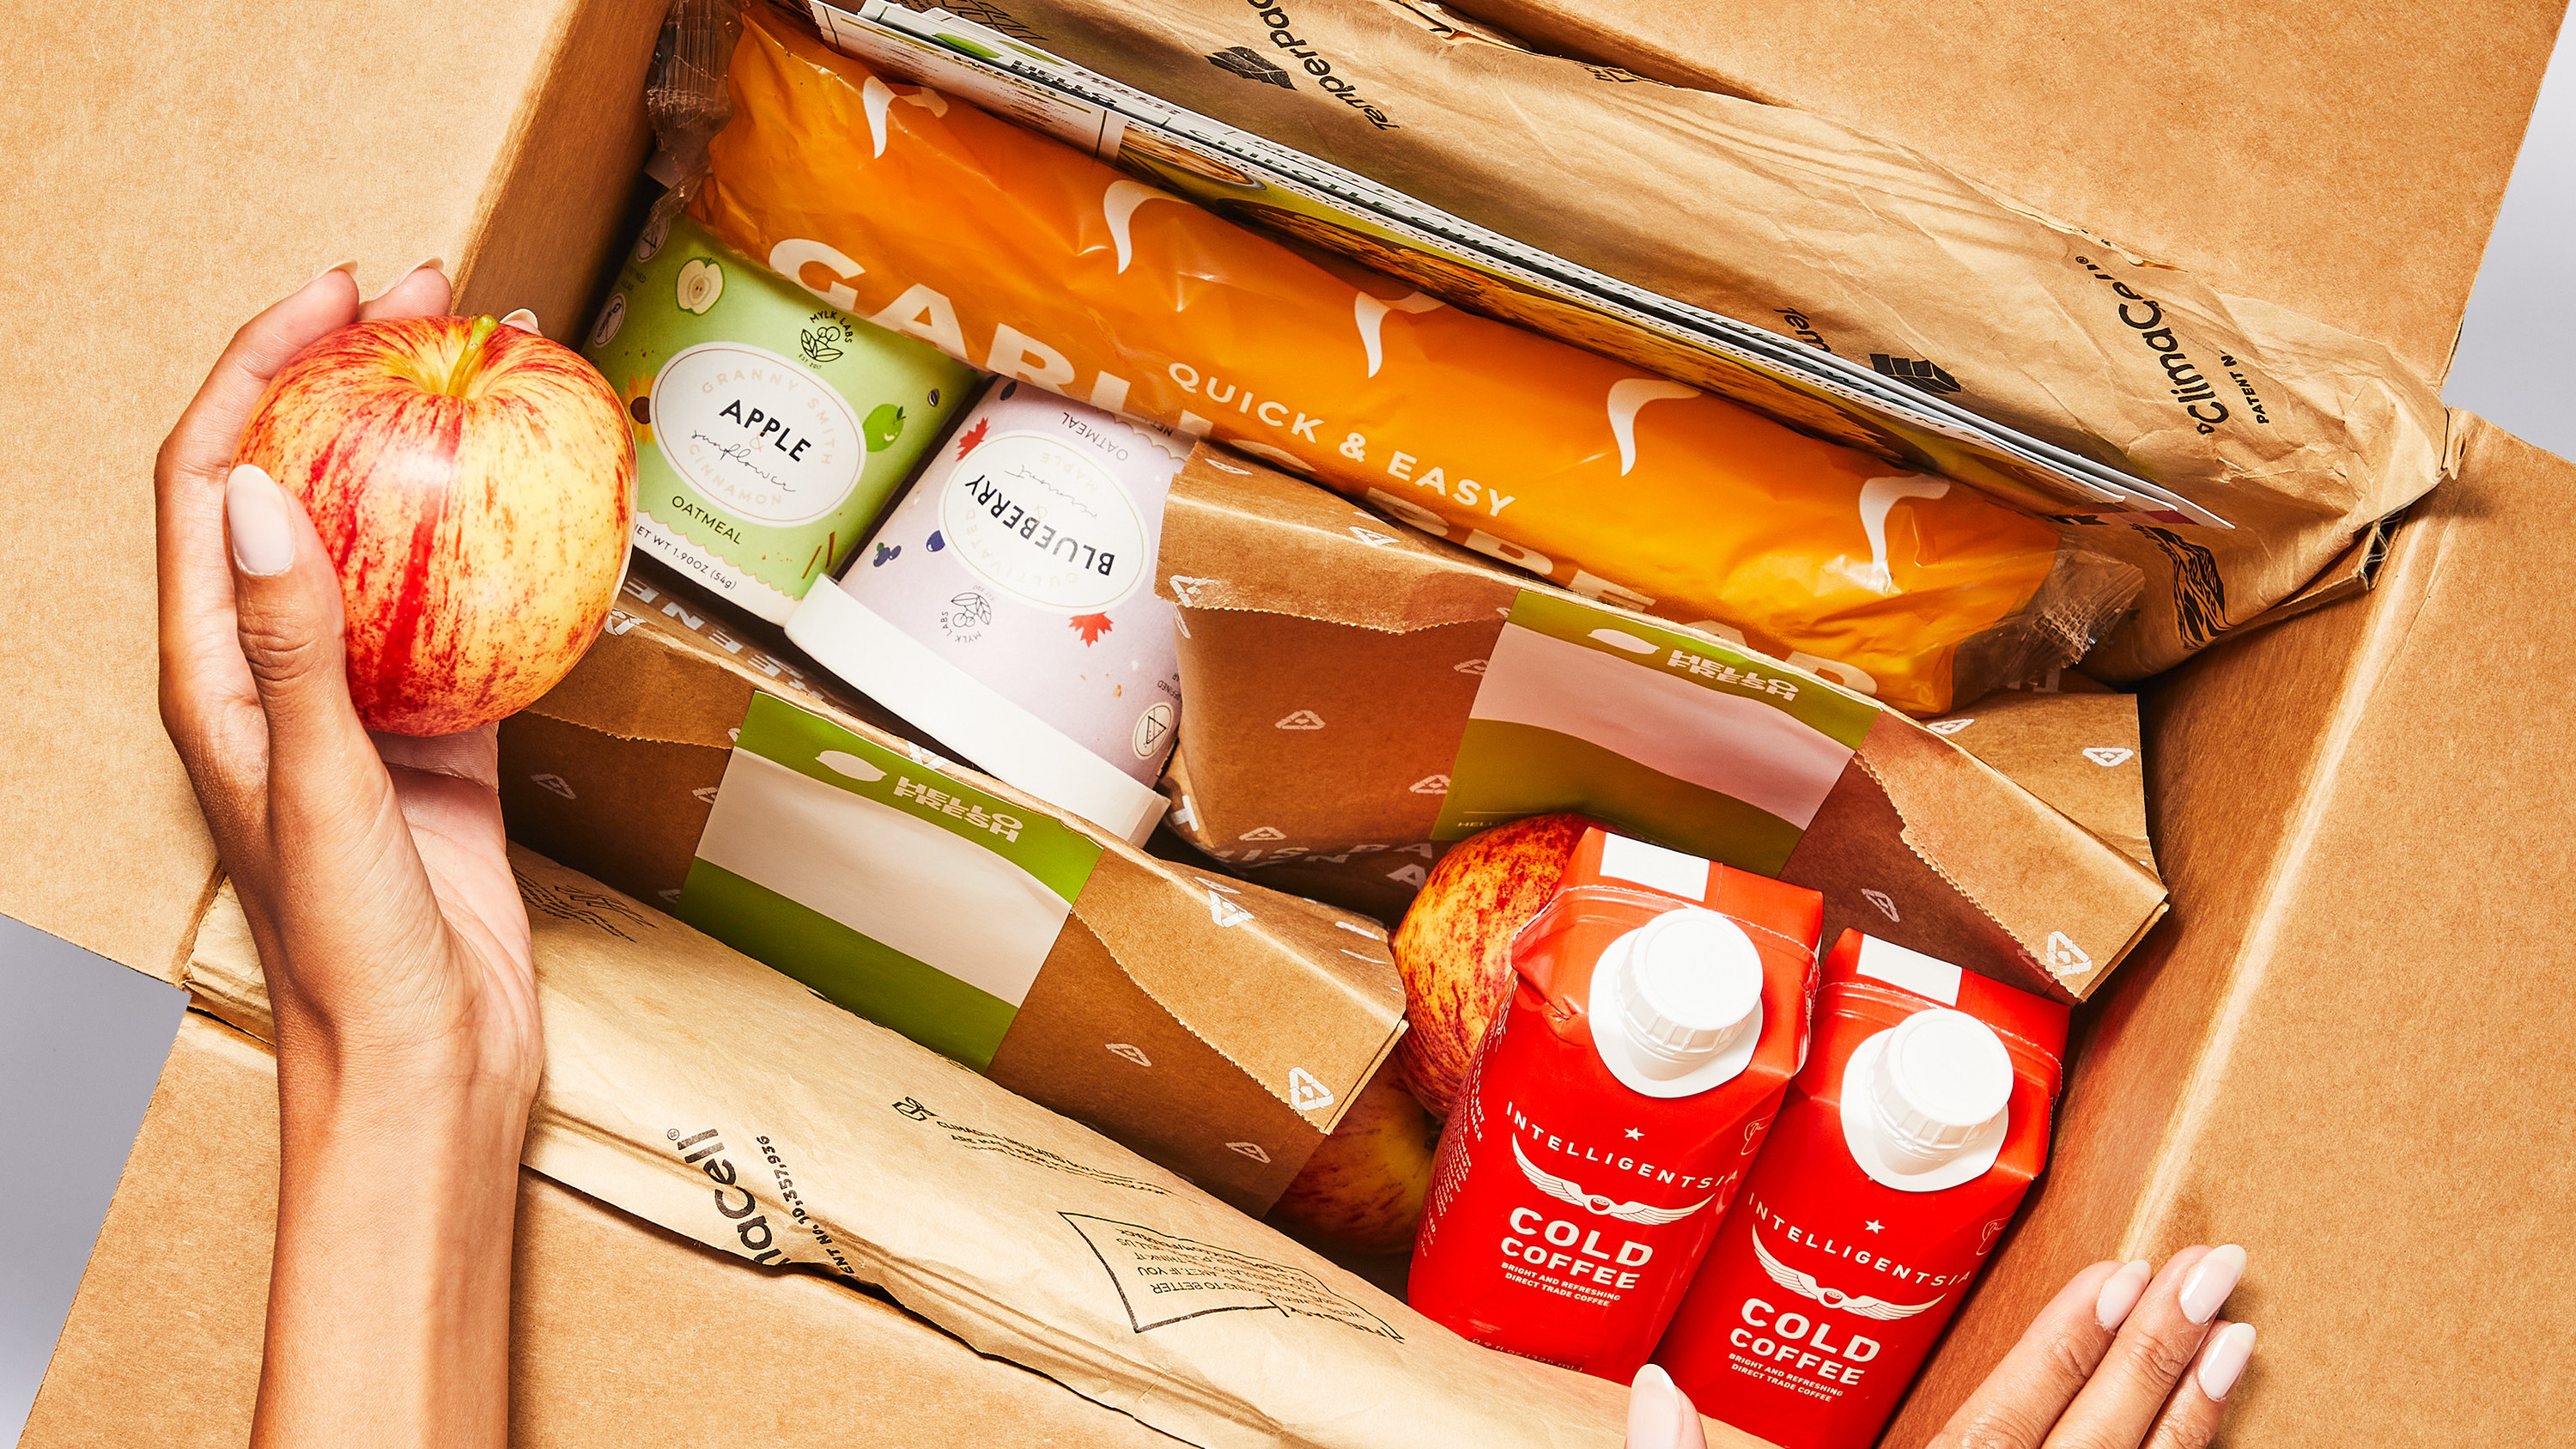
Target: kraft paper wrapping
{"x": 855, "y": 1154}
{"x": 1332, "y": 663}
{"x": 1819, "y": 231}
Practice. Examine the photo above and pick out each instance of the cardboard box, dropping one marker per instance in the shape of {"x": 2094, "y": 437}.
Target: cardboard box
{"x": 1218, "y": 1028}
{"x": 2343, "y": 1050}
{"x": 1356, "y": 689}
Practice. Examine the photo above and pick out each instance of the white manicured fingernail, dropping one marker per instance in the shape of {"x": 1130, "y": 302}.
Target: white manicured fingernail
{"x": 262, "y": 526}
{"x": 2121, "y": 1292}
{"x": 405, "y": 275}
{"x": 525, "y": 321}
{"x": 2224, "y": 1360}
{"x": 1654, "y": 1410}
{"x": 2211, "y": 1280}
{"x": 350, "y": 266}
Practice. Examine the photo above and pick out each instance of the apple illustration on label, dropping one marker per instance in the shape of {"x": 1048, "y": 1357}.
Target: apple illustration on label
{"x": 475, "y": 486}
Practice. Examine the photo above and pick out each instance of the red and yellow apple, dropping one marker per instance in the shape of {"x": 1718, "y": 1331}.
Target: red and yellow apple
{"x": 474, "y": 484}
{"x": 1362, "y": 1191}
{"x": 1454, "y": 945}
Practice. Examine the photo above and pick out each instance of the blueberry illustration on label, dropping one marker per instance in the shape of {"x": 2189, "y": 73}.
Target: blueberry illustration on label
{"x": 937, "y": 542}
{"x": 884, "y": 425}
{"x": 885, "y": 555}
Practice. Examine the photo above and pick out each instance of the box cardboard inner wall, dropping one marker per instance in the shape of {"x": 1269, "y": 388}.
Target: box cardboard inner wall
{"x": 1219, "y": 1028}
{"x": 2342, "y": 1051}
{"x": 2243, "y": 147}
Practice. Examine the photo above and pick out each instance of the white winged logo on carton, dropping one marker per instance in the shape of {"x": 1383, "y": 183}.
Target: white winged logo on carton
{"x": 1805, "y": 1285}
{"x": 1566, "y": 1189}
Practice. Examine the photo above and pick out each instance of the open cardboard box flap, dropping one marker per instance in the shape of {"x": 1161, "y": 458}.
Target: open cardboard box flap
{"x": 2166, "y": 130}
{"x": 1333, "y": 659}
{"x": 702, "y": 1091}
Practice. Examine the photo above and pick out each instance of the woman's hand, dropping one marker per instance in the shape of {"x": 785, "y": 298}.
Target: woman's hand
{"x": 372, "y": 869}
{"x": 374, "y": 876}
{"x": 2118, "y": 1360}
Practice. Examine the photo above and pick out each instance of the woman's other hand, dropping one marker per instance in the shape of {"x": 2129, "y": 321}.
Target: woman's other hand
{"x": 2121, "y": 1358}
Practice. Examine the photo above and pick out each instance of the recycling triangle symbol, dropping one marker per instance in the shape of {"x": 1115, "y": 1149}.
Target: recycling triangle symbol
{"x": 1225, "y": 912}
{"x": 2108, "y": 755}
{"x": 1371, "y": 537}
{"x": 1305, "y": 1093}
{"x": 1949, "y": 726}
{"x": 2063, "y": 954}
{"x": 1304, "y": 719}
{"x": 1430, "y": 785}
{"x": 1263, "y": 832}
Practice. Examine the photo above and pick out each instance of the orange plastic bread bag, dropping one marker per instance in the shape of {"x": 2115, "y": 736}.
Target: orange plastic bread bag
{"x": 1022, "y": 256}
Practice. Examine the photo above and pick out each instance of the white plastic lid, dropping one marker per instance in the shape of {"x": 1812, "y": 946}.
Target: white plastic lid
{"x": 1940, "y": 1079}
{"x": 1677, "y": 1003}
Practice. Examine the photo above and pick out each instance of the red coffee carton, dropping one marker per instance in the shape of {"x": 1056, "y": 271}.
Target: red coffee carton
{"x": 1899, "y": 1157}
{"x": 1660, "y": 1011}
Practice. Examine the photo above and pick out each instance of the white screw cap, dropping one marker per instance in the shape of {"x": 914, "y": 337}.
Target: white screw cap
{"x": 1943, "y": 1076}
{"x": 1693, "y": 987}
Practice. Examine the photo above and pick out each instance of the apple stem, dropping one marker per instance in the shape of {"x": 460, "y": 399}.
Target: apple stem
{"x": 470, "y": 362}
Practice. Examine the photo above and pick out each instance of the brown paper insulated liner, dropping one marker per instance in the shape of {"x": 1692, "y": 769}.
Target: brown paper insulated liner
{"x": 1762, "y": 213}
{"x": 1028, "y": 1236}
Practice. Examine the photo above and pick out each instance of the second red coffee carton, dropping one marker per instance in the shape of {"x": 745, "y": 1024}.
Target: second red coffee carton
{"x": 1659, "y": 1013}
{"x": 1899, "y": 1158}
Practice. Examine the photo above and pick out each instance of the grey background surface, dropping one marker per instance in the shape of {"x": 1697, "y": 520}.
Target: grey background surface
{"x": 83, "y": 1040}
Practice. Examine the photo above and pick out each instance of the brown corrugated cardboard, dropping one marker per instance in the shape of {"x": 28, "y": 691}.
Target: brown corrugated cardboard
{"x": 504, "y": 146}
{"x": 1218, "y": 1028}
{"x": 2302, "y": 154}
{"x": 1331, "y": 662}
{"x": 623, "y": 1335}
{"x": 2349, "y": 1054}
{"x": 863, "y": 1157}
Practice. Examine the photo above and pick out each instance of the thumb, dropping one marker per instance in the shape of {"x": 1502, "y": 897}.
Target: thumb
{"x": 288, "y": 606}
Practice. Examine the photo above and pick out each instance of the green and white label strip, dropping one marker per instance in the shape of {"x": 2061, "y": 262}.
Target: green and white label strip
{"x": 892, "y": 888}
{"x": 1712, "y": 750}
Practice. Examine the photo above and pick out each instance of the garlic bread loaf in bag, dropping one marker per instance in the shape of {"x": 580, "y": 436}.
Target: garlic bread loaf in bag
{"x": 1026, "y": 257}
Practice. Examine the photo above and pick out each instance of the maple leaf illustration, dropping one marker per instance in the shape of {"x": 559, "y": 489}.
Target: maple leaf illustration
{"x": 1090, "y": 626}
{"x": 967, "y": 440}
